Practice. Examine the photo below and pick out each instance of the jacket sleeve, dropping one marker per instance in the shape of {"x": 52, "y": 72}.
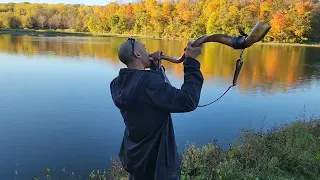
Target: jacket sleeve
{"x": 160, "y": 94}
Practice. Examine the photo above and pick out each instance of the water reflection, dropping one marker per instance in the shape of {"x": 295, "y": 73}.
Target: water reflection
{"x": 60, "y": 114}
{"x": 267, "y": 68}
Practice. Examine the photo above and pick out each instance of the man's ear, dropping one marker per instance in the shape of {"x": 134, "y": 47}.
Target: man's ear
{"x": 137, "y": 54}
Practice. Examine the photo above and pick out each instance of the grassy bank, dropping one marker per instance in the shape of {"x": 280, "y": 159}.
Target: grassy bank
{"x": 290, "y": 151}
{"x": 33, "y": 32}
{"x": 53, "y": 33}
{"x": 285, "y": 152}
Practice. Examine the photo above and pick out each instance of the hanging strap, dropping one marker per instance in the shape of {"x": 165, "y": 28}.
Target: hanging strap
{"x": 239, "y": 64}
{"x": 234, "y": 82}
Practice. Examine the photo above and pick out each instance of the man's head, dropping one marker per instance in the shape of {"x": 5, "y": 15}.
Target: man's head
{"x": 134, "y": 54}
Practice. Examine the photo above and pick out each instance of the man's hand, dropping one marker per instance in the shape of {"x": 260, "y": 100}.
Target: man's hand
{"x": 155, "y": 59}
{"x": 193, "y": 52}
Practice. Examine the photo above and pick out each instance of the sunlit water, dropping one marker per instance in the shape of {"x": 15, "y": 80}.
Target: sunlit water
{"x": 56, "y": 110}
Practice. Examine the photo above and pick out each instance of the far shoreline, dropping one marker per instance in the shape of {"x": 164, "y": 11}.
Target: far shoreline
{"x": 56, "y": 33}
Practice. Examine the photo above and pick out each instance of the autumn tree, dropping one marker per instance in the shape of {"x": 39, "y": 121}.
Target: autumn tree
{"x": 291, "y": 20}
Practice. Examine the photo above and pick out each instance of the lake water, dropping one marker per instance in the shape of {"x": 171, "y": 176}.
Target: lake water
{"x": 56, "y": 110}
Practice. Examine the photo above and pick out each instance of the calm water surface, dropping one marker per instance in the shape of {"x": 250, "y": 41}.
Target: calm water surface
{"x": 56, "y": 110}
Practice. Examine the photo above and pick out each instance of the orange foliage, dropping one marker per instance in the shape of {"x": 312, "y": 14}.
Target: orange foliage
{"x": 129, "y": 10}
{"x": 302, "y": 7}
{"x": 292, "y": 21}
{"x": 264, "y": 9}
{"x": 278, "y": 24}
{"x": 182, "y": 9}
{"x": 166, "y": 10}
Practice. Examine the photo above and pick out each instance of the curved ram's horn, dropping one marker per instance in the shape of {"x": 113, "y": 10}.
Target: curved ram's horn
{"x": 240, "y": 42}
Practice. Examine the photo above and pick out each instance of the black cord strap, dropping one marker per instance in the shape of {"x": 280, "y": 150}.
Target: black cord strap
{"x": 239, "y": 64}
{"x": 217, "y": 99}
{"x": 234, "y": 82}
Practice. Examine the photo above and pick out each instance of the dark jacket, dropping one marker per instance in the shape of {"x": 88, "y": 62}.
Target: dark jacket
{"x": 148, "y": 150}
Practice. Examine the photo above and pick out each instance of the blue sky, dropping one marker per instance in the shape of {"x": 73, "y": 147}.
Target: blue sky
{"x": 87, "y": 2}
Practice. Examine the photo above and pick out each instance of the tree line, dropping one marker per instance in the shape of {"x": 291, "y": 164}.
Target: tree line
{"x": 292, "y": 21}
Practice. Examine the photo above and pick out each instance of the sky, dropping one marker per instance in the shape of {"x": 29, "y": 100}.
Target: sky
{"x": 86, "y": 2}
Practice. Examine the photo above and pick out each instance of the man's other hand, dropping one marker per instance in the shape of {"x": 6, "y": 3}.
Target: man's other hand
{"x": 155, "y": 58}
{"x": 193, "y": 52}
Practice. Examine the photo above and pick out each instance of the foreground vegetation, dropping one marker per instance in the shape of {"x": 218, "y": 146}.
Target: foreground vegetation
{"x": 290, "y": 151}
{"x": 292, "y": 21}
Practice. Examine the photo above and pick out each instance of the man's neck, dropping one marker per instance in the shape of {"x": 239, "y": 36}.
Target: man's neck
{"x": 136, "y": 66}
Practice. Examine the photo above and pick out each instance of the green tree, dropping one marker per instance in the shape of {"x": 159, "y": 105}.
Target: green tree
{"x": 315, "y": 24}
